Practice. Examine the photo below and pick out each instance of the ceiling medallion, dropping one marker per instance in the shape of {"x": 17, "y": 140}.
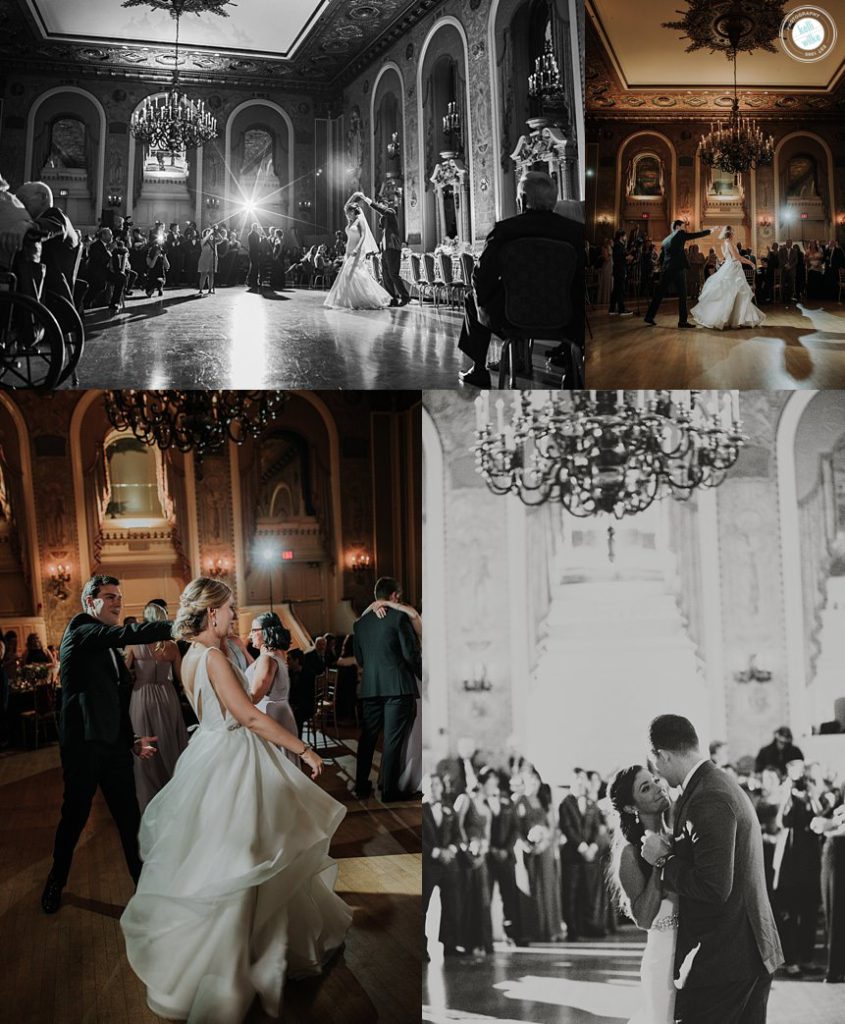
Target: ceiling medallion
{"x": 725, "y": 26}
{"x": 364, "y": 12}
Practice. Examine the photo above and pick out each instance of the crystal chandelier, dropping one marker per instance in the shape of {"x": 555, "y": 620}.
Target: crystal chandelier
{"x": 738, "y": 144}
{"x": 608, "y": 452}
{"x": 545, "y": 82}
{"x": 173, "y": 123}
{"x": 198, "y": 421}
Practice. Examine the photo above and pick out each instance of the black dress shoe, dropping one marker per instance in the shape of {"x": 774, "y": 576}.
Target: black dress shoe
{"x": 476, "y": 378}
{"x": 360, "y": 794}
{"x": 394, "y": 302}
{"x": 651, "y": 323}
{"x": 51, "y": 898}
{"x": 686, "y": 326}
{"x": 405, "y": 301}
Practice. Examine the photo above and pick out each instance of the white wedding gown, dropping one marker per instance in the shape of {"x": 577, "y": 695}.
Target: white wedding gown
{"x": 237, "y": 884}
{"x": 657, "y": 969}
{"x": 726, "y": 300}
{"x": 355, "y": 287}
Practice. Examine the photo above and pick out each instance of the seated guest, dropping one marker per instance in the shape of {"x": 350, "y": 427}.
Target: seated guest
{"x": 101, "y": 273}
{"x": 485, "y": 304}
{"x": 60, "y": 243}
{"x": 35, "y": 653}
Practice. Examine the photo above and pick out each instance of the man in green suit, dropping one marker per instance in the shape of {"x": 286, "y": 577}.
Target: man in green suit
{"x": 95, "y": 733}
{"x": 387, "y": 650}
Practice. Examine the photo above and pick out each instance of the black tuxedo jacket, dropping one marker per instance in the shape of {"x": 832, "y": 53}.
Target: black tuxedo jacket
{"x": 674, "y": 253}
{"x": 504, "y": 830}
{"x": 577, "y": 828}
{"x": 95, "y": 696}
{"x": 389, "y": 654}
{"x": 388, "y": 225}
{"x": 487, "y": 282}
{"x": 718, "y": 873}
{"x": 436, "y": 837}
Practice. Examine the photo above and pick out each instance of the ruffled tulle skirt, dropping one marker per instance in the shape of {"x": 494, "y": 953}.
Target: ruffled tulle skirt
{"x": 356, "y": 289}
{"x": 237, "y": 885}
{"x": 726, "y": 300}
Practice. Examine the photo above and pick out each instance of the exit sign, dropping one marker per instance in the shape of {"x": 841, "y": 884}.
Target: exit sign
{"x": 287, "y": 556}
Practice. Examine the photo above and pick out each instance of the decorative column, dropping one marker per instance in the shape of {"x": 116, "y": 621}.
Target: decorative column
{"x": 547, "y": 144}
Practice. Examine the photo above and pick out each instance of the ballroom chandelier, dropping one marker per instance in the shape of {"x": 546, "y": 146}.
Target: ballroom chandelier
{"x": 198, "y": 421}
{"x": 544, "y": 83}
{"x": 738, "y": 144}
{"x": 173, "y": 123}
{"x": 608, "y": 452}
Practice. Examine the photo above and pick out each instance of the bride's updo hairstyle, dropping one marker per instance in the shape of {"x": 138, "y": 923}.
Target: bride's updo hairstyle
{"x": 726, "y": 232}
{"x": 352, "y": 208}
{"x": 629, "y": 830}
{"x": 198, "y": 598}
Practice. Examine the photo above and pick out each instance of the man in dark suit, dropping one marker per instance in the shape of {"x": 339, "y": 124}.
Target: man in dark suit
{"x": 303, "y": 695}
{"x": 387, "y": 650}
{"x": 674, "y": 273}
{"x": 779, "y": 752}
{"x": 501, "y": 859}
{"x": 484, "y": 304}
{"x": 95, "y": 733}
{"x": 728, "y": 946}
{"x": 254, "y": 247}
{"x": 391, "y": 250}
{"x": 440, "y": 842}
{"x": 580, "y": 822}
{"x": 100, "y": 270}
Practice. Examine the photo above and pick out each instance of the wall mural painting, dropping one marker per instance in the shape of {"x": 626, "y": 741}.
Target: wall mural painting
{"x": 802, "y": 177}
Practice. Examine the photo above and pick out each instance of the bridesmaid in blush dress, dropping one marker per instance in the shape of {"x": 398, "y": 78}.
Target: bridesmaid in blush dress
{"x": 154, "y": 709}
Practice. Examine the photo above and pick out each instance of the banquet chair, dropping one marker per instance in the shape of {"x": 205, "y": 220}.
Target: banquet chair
{"x": 326, "y": 704}
{"x": 431, "y": 278}
{"x": 537, "y": 275}
{"x": 452, "y": 286}
{"x": 416, "y": 274}
{"x": 42, "y": 713}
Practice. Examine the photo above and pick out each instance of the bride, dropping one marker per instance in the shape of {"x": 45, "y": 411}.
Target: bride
{"x": 355, "y": 287}
{"x": 237, "y": 884}
{"x": 726, "y": 300}
{"x": 640, "y": 802}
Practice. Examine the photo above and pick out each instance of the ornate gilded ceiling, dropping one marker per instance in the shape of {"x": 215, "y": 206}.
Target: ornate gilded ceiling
{"x": 313, "y": 43}
{"x": 618, "y": 83}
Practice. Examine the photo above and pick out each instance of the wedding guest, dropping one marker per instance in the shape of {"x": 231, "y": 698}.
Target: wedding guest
{"x": 102, "y": 275}
{"x": 484, "y": 304}
{"x": 475, "y": 928}
{"x": 540, "y": 915}
{"x": 779, "y": 752}
{"x": 604, "y": 264}
{"x": 579, "y": 821}
{"x": 621, "y": 261}
{"x": 237, "y": 650}
{"x": 207, "y": 265}
{"x": 814, "y": 261}
{"x": 154, "y": 708}
{"x": 269, "y": 682}
{"x": 175, "y": 255}
{"x": 831, "y": 825}
{"x": 254, "y": 249}
{"x": 157, "y": 266}
{"x": 95, "y": 733}
{"x": 58, "y": 238}
{"x": 500, "y": 855}
{"x": 347, "y": 680}
{"x": 35, "y": 653}
{"x": 440, "y": 841}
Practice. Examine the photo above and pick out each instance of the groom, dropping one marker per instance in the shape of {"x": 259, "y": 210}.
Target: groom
{"x": 387, "y": 651}
{"x": 391, "y": 249}
{"x": 728, "y": 946}
{"x": 675, "y": 267}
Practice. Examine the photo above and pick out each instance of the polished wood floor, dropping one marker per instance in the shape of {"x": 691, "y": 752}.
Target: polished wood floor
{"x": 591, "y": 982}
{"x": 797, "y": 347}
{"x": 72, "y": 968}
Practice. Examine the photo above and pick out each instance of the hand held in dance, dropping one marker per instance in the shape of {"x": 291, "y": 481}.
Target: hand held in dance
{"x": 313, "y": 760}
{"x": 143, "y": 747}
{"x": 655, "y": 846}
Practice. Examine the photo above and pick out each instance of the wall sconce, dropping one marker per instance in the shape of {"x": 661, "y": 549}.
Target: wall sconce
{"x": 115, "y": 199}
{"x": 218, "y": 569}
{"x": 59, "y": 580}
{"x": 753, "y": 674}
{"x": 212, "y": 203}
{"x": 393, "y": 147}
{"x": 765, "y": 222}
{"x": 305, "y": 205}
{"x": 63, "y": 192}
{"x": 479, "y": 683}
{"x": 361, "y": 563}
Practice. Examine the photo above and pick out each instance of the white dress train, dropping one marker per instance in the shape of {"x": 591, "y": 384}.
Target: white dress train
{"x": 234, "y": 847}
{"x": 658, "y": 968}
{"x": 355, "y": 287}
{"x": 726, "y": 300}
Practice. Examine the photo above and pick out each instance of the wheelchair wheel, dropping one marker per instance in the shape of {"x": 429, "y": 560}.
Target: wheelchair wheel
{"x": 32, "y": 349}
{"x": 73, "y": 330}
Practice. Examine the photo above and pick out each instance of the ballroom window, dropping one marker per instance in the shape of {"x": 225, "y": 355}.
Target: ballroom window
{"x": 133, "y": 486}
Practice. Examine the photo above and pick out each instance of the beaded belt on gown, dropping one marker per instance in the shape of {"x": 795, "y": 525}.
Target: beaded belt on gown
{"x": 664, "y": 923}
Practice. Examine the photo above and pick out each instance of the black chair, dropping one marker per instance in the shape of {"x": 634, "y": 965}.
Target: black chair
{"x": 537, "y": 275}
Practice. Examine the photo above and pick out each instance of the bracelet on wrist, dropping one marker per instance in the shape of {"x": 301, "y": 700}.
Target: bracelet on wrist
{"x": 305, "y": 750}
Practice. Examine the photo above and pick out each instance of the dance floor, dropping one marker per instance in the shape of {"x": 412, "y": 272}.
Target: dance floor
{"x": 580, "y": 983}
{"x": 72, "y": 967}
{"x": 796, "y": 348}
{"x": 235, "y": 339}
